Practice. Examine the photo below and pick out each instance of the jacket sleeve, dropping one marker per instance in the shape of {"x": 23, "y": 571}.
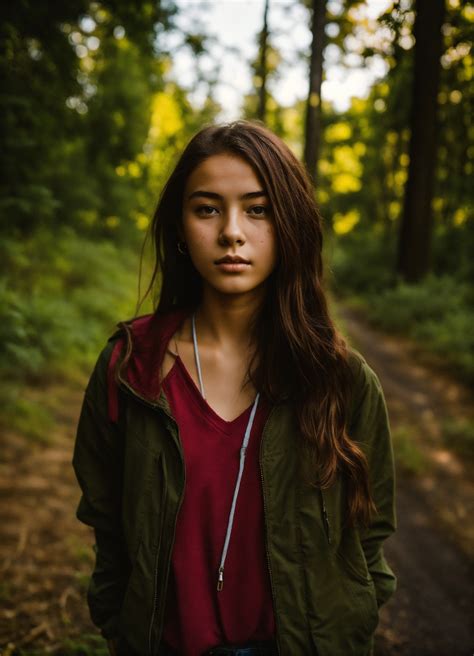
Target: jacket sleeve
{"x": 97, "y": 462}
{"x": 370, "y": 427}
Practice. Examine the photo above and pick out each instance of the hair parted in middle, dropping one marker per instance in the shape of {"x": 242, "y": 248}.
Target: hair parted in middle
{"x": 302, "y": 357}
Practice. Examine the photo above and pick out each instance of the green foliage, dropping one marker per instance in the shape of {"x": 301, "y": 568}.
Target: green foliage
{"x": 94, "y": 126}
{"x": 437, "y": 312}
{"x": 92, "y": 129}
{"x": 363, "y": 173}
{"x": 408, "y": 454}
{"x": 79, "y": 85}
{"x": 458, "y": 434}
{"x": 59, "y": 293}
{"x": 25, "y": 416}
{"x": 360, "y": 262}
{"x": 364, "y": 160}
{"x": 409, "y": 305}
{"x": 89, "y": 644}
{"x": 80, "y": 551}
{"x": 60, "y": 298}
{"x": 5, "y": 591}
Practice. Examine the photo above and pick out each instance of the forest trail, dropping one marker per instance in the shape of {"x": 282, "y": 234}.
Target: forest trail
{"x": 432, "y": 551}
{"x": 46, "y": 555}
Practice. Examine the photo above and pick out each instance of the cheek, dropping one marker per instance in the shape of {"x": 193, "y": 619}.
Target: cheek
{"x": 200, "y": 241}
{"x": 268, "y": 244}
{"x": 195, "y": 233}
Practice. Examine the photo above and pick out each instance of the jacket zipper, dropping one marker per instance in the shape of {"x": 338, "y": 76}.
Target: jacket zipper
{"x": 326, "y": 518}
{"x": 266, "y": 539}
{"x": 157, "y": 406}
{"x": 168, "y": 559}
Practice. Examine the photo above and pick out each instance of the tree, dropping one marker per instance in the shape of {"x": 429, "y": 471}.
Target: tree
{"x": 313, "y": 104}
{"x": 80, "y": 86}
{"x": 417, "y": 220}
{"x": 262, "y": 105}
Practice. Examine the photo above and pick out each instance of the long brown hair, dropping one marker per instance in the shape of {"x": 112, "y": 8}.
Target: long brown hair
{"x": 302, "y": 358}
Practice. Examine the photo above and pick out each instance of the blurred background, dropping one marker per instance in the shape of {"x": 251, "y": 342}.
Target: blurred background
{"x": 98, "y": 100}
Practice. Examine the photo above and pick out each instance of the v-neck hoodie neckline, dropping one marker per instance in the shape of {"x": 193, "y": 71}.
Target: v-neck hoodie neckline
{"x": 200, "y": 402}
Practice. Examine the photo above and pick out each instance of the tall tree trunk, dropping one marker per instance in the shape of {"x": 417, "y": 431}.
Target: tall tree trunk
{"x": 414, "y": 247}
{"x": 262, "y": 104}
{"x": 313, "y": 103}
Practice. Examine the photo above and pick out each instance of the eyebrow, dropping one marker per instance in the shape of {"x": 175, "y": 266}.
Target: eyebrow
{"x": 213, "y": 195}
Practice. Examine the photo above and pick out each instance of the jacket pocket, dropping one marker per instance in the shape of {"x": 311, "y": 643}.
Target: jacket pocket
{"x": 354, "y": 570}
{"x": 139, "y": 605}
{"x": 136, "y": 607}
{"x": 351, "y": 558}
{"x": 140, "y": 474}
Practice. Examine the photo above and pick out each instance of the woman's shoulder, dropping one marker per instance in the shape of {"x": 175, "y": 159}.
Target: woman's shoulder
{"x": 362, "y": 371}
{"x": 140, "y": 333}
{"x": 115, "y": 343}
{"x": 366, "y": 385}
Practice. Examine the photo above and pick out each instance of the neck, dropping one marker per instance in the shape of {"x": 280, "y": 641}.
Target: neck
{"x": 223, "y": 320}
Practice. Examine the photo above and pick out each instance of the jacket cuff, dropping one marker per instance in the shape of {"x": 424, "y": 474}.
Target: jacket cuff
{"x": 109, "y": 629}
{"x": 384, "y": 589}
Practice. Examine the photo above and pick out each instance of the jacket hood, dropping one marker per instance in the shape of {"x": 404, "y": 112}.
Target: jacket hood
{"x": 144, "y": 340}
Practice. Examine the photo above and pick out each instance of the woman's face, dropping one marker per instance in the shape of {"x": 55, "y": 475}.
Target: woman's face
{"x": 226, "y": 212}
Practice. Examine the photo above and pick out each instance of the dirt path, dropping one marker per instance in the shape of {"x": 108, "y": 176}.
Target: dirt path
{"x": 46, "y": 555}
{"x": 431, "y": 552}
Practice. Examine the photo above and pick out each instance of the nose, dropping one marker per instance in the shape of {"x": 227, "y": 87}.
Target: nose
{"x": 231, "y": 228}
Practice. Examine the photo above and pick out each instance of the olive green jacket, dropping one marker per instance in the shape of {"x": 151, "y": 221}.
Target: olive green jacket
{"x": 327, "y": 581}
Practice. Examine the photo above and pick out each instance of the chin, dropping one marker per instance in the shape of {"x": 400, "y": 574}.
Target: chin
{"x": 234, "y": 286}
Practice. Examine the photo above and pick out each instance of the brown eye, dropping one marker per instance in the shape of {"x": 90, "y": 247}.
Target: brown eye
{"x": 205, "y": 210}
{"x": 259, "y": 210}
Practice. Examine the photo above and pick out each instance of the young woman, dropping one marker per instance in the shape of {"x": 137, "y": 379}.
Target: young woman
{"x": 234, "y": 453}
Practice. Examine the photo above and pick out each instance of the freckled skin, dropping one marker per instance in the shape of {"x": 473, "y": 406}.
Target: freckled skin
{"x": 214, "y": 227}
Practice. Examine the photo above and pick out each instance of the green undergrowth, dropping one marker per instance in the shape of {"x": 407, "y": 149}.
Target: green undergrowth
{"x": 88, "y": 644}
{"x": 61, "y": 296}
{"x": 408, "y": 455}
{"x": 437, "y": 313}
{"x": 458, "y": 435}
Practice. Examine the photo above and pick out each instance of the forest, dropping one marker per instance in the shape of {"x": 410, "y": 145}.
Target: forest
{"x": 94, "y": 117}
{"x": 93, "y": 121}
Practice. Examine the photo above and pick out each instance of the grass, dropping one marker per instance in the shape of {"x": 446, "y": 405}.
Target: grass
{"x": 5, "y": 591}
{"x": 25, "y": 416}
{"x": 79, "y": 550}
{"x": 458, "y": 435}
{"x": 437, "y": 312}
{"x": 408, "y": 454}
{"x": 82, "y": 580}
{"x": 87, "y": 645}
{"x": 60, "y": 299}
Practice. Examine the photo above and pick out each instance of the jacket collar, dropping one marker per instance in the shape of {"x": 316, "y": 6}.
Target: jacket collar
{"x": 145, "y": 338}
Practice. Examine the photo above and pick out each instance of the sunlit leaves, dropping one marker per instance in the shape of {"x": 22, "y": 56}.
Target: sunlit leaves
{"x": 338, "y": 132}
{"x": 344, "y": 171}
{"x": 344, "y": 223}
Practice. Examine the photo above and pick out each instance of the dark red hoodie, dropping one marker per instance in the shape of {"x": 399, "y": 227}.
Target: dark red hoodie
{"x": 197, "y": 616}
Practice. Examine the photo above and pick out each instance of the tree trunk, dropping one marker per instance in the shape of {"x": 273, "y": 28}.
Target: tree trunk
{"x": 313, "y": 104}
{"x": 414, "y": 247}
{"x": 262, "y": 104}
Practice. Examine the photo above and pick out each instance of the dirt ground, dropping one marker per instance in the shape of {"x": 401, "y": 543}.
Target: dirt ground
{"x": 46, "y": 554}
{"x": 432, "y": 551}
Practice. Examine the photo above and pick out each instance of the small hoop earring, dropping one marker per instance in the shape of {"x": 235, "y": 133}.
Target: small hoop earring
{"x": 181, "y": 245}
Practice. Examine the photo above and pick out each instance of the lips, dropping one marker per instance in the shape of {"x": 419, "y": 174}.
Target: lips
{"x": 232, "y": 259}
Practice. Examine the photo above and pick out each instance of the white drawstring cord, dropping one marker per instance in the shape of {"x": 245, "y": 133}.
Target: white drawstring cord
{"x": 196, "y": 357}
{"x": 243, "y": 449}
